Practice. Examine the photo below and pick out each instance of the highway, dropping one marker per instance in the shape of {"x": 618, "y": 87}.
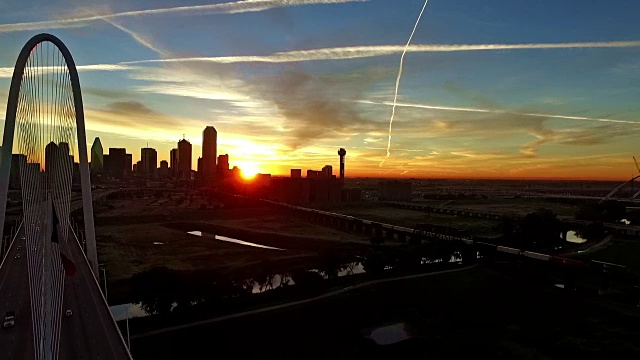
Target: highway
{"x": 17, "y": 342}
{"x": 89, "y": 333}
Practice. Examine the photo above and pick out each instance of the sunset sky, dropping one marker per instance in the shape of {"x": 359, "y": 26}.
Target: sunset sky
{"x": 491, "y": 89}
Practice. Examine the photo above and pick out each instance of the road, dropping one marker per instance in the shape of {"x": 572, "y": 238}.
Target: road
{"x": 17, "y": 342}
{"x": 299, "y": 302}
{"x": 89, "y": 333}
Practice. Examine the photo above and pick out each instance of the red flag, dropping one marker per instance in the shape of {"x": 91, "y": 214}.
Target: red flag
{"x": 67, "y": 264}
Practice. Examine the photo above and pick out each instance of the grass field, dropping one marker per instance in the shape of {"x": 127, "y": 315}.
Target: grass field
{"x": 620, "y": 250}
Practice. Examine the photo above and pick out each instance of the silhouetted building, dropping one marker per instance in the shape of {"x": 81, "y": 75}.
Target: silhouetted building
{"x": 209, "y": 152}
{"x": 135, "y": 168}
{"x": 97, "y": 154}
{"x": 291, "y": 190}
{"x": 149, "y": 162}
{"x": 163, "y": 171}
{"x": 184, "y": 159}
{"x": 118, "y": 162}
{"x": 173, "y": 158}
{"x": 128, "y": 165}
{"x": 200, "y": 170}
{"x": 223, "y": 165}
{"x": 107, "y": 164}
{"x": 314, "y": 174}
{"x": 327, "y": 171}
{"x": 17, "y": 160}
{"x": 394, "y": 190}
{"x": 296, "y": 173}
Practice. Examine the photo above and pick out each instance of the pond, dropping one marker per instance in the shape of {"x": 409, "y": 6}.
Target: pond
{"x": 390, "y": 334}
{"x": 231, "y": 240}
{"x": 573, "y": 237}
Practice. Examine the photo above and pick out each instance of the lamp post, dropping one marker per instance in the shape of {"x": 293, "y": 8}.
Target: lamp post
{"x": 104, "y": 277}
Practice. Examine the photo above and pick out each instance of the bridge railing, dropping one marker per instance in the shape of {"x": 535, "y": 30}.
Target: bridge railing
{"x": 6, "y": 249}
{"x": 104, "y": 299}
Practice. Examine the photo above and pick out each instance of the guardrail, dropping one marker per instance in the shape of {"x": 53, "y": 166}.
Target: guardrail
{"x": 11, "y": 243}
{"x": 104, "y": 299}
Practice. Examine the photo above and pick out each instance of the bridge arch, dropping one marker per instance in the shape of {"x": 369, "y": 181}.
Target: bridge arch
{"x": 17, "y": 103}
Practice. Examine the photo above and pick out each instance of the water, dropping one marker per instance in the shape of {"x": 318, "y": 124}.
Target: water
{"x": 625, "y": 221}
{"x": 124, "y": 311}
{"x": 158, "y": 243}
{"x": 390, "y": 334}
{"x": 573, "y": 237}
{"x": 231, "y": 240}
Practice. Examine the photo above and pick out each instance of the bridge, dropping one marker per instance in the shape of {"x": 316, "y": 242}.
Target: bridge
{"x": 50, "y": 300}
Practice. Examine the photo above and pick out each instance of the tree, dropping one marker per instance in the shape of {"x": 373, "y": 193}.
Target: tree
{"x": 540, "y": 229}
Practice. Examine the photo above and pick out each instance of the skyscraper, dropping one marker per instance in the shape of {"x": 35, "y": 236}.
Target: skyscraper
{"x": 184, "y": 159}
{"x": 173, "y": 158}
{"x": 118, "y": 160}
{"x": 209, "y": 151}
{"x": 97, "y": 157}
{"x": 223, "y": 165}
{"x": 163, "y": 171}
{"x": 149, "y": 162}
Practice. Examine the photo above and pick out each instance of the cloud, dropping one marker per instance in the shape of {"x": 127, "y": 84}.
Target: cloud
{"x": 223, "y": 8}
{"x": 497, "y": 111}
{"x": 7, "y": 72}
{"x": 318, "y": 106}
{"x": 355, "y": 52}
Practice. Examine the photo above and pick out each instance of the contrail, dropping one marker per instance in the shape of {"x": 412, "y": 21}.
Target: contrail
{"x": 7, "y": 72}
{"x": 224, "y": 8}
{"x": 356, "y": 52}
{"x": 395, "y": 97}
{"x": 494, "y": 111}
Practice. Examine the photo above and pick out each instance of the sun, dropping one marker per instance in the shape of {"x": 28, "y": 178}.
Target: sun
{"x": 249, "y": 171}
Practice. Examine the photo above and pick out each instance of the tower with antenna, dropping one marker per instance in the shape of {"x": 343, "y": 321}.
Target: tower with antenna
{"x": 342, "y": 152}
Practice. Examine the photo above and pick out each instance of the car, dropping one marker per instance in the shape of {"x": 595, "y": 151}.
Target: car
{"x": 33, "y": 248}
{"x": 17, "y": 256}
{"x": 19, "y": 247}
{"x": 22, "y": 237}
{"x": 68, "y": 313}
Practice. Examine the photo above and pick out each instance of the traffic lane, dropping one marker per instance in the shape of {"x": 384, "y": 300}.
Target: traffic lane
{"x": 91, "y": 318}
{"x": 16, "y": 342}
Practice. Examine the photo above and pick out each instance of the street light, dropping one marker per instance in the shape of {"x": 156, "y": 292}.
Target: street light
{"x": 104, "y": 277}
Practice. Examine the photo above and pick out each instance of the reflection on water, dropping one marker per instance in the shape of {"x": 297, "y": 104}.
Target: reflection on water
{"x": 391, "y": 334}
{"x": 231, "y": 240}
{"x": 124, "y": 311}
{"x": 573, "y": 237}
{"x": 158, "y": 243}
{"x": 625, "y": 221}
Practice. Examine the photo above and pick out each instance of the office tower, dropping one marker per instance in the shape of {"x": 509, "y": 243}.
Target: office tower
{"x": 127, "y": 166}
{"x": 327, "y": 170}
{"x": 184, "y": 159}
{"x": 118, "y": 160}
{"x": 97, "y": 157}
{"x": 209, "y": 152}
{"x": 223, "y": 165}
{"x": 149, "y": 162}
{"x": 296, "y": 173}
{"x": 163, "y": 171}
{"x": 173, "y": 158}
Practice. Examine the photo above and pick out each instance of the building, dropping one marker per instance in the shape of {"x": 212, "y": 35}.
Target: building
{"x": 163, "y": 171}
{"x": 173, "y": 158}
{"x": 184, "y": 159}
{"x": 394, "y": 190}
{"x": 97, "y": 154}
{"x": 118, "y": 163}
{"x": 18, "y": 162}
{"x": 128, "y": 165}
{"x": 200, "y": 169}
{"x": 327, "y": 171}
{"x": 149, "y": 162}
{"x": 209, "y": 152}
{"x": 296, "y": 173}
{"x": 314, "y": 174}
{"x": 223, "y": 165}
{"x": 342, "y": 153}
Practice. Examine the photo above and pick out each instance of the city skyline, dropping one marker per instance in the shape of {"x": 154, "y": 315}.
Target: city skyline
{"x": 491, "y": 90}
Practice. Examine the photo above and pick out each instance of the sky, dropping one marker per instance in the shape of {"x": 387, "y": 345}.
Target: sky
{"x": 490, "y": 89}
